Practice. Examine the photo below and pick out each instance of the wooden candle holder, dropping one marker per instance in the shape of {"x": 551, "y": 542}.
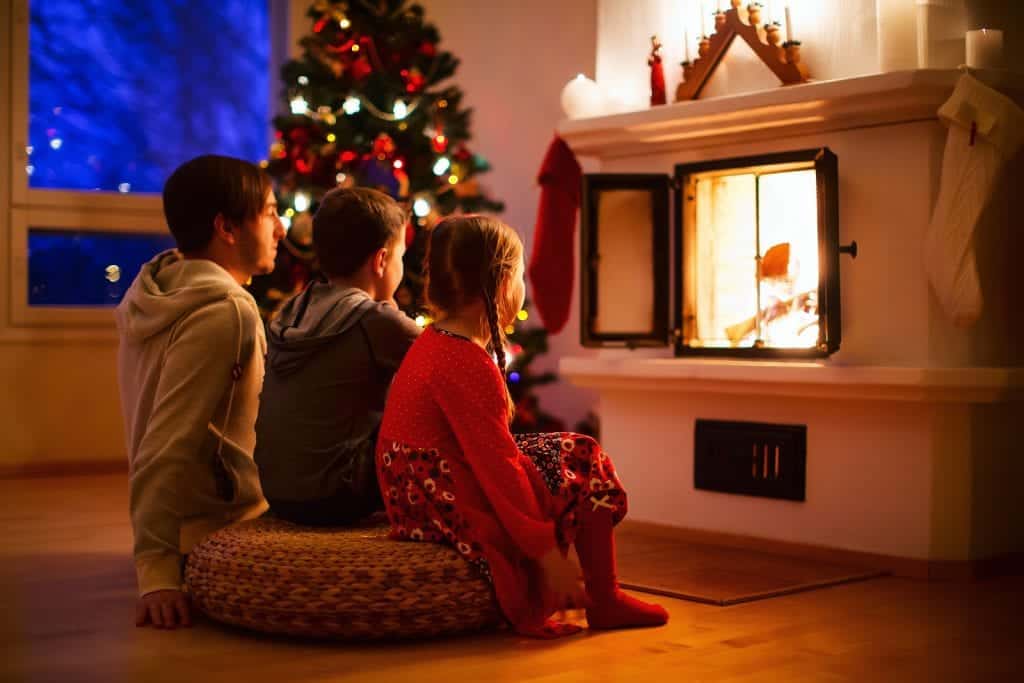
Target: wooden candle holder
{"x": 783, "y": 60}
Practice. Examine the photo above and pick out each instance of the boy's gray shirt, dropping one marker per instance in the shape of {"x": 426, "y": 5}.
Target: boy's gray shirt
{"x": 331, "y": 354}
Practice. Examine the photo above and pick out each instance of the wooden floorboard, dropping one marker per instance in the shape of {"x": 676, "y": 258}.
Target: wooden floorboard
{"x": 66, "y": 611}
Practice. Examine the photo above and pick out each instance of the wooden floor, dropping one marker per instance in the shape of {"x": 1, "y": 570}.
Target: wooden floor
{"x": 67, "y": 599}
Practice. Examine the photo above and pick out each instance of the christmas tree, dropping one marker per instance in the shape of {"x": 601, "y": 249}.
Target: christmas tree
{"x": 366, "y": 107}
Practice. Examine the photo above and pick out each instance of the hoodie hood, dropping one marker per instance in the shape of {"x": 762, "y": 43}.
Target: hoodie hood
{"x": 169, "y": 287}
{"x": 310, "y": 321}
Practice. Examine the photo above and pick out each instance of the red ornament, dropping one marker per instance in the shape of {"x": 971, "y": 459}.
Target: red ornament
{"x": 361, "y": 68}
{"x": 299, "y": 136}
{"x": 427, "y": 49}
{"x": 348, "y": 156}
{"x": 463, "y": 154}
{"x": 319, "y": 26}
{"x": 383, "y": 146}
{"x": 414, "y": 79}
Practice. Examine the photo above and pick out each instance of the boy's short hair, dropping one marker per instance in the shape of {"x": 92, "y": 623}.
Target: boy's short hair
{"x": 208, "y": 185}
{"x": 351, "y": 225}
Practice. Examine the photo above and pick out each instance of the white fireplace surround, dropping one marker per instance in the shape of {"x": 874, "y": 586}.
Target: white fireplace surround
{"x": 913, "y": 449}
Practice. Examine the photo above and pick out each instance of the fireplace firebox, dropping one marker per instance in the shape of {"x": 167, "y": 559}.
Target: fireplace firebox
{"x": 753, "y": 248}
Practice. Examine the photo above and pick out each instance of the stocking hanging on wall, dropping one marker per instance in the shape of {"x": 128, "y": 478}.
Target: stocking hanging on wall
{"x": 551, "y": 261}
{"x": 986, "y": 129}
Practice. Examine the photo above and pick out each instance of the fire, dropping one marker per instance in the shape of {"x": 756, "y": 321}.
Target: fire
{"x": 753, "y": 258}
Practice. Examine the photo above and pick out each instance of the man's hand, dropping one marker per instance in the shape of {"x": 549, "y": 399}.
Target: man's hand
{"x": 562, "y": 578}
{"x": 163, "y": 609}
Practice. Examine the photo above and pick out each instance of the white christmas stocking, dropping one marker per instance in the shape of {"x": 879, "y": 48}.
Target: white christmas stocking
{"x": 986, "y": 129}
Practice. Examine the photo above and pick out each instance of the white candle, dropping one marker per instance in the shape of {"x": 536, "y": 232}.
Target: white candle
{"x": 703, "y": 11}
{"x": 686, "y": 43}
{"x": 985, "y": 49}
{"x": 789, "y": 26}
{"x": 766, "y": 12}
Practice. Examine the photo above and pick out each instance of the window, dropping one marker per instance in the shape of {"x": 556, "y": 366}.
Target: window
{"x": 86, "y": 268}
{"x": 121, "y": 93}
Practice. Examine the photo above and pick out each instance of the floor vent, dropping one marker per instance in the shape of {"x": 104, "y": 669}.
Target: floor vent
{"x": 751, "y": 458}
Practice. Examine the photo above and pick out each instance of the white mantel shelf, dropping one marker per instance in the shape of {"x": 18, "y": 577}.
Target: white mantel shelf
{"x": 819, "y": 380}
{"x": 878, "y": 99}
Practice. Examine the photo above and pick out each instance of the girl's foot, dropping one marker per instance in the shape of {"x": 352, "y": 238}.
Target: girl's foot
{"x": 619, "y": 610}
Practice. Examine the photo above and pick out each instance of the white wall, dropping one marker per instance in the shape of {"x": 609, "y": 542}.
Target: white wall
{"x": 515, "y": 60}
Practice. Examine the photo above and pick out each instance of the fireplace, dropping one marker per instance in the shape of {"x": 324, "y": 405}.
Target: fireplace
{"x": 743, "y": 256}
{"x": 898, "y": 444}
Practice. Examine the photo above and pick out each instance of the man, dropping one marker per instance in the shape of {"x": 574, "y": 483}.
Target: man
{"x": 190, "y": 368}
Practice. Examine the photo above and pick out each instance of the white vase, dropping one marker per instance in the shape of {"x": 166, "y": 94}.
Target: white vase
{"x": 582, "y": 97}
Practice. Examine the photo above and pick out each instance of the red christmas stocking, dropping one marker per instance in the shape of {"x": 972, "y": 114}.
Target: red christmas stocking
{"x": 610, "y": 607}
{"x": 551, "y": 261}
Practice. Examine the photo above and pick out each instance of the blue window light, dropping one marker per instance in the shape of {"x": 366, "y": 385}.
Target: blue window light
{"x": 86, "y": 268}
{"x": 120, "y": 93}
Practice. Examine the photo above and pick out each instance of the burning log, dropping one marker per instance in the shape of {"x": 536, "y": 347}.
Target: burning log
{"x": 776, "y": 310}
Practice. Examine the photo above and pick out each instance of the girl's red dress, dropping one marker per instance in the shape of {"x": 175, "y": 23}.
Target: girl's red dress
{"x": 450, "y": 471}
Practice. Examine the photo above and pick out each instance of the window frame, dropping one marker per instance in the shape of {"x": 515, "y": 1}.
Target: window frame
{"x": 23, "y": 220}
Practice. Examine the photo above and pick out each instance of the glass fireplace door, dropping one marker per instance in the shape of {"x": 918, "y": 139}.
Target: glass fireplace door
{"x": 756, "y": 247}
{"x": 754, "y": 260}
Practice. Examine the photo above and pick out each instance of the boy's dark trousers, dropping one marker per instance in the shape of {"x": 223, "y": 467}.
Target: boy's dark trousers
{"x": 358, "y": 497}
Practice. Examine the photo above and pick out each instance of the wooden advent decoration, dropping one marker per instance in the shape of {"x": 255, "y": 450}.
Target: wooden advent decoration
{"x": 783, "y": 60}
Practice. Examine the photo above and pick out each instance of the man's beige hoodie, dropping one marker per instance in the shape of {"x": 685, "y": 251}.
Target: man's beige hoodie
{"x": 190, "y": 368}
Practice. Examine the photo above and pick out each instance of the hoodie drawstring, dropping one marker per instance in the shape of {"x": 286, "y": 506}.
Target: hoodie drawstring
{"x": 225, "y": 486}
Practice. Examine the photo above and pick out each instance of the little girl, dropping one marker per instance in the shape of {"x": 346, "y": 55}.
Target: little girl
{"x": 451, "y": 472}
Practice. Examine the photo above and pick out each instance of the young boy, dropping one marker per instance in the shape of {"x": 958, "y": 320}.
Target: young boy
{"x": 190, "y": 365}
{"x": 332, "y": 353}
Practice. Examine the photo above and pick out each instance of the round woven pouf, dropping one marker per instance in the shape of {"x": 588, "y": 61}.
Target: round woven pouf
{"x": 350, "y": 583}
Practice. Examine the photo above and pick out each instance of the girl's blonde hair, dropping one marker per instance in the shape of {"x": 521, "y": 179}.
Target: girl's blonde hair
{"x": 467, "y": 258}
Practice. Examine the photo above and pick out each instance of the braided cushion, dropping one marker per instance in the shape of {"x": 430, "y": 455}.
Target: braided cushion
{"x": 351, "y": 583}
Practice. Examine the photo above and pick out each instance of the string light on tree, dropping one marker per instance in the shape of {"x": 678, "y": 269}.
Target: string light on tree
{"x": 299, "y": 105}
{"x": 421, "y": 207}
{"x": 303, "y": 80}
{"x": 352, "y": 105}
{"x": 301, "y": 202}
{"x": 441, "y": 166}
{"x": 400, "y": 110}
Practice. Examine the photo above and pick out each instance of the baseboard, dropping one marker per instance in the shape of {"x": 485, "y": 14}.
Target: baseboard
{"x": 908, "y": 567}
{"x": 62, "y": 468}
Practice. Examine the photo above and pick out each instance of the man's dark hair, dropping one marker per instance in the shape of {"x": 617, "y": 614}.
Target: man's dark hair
{"x": 351, "y": 224}
{"x": 208, "y": 185}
